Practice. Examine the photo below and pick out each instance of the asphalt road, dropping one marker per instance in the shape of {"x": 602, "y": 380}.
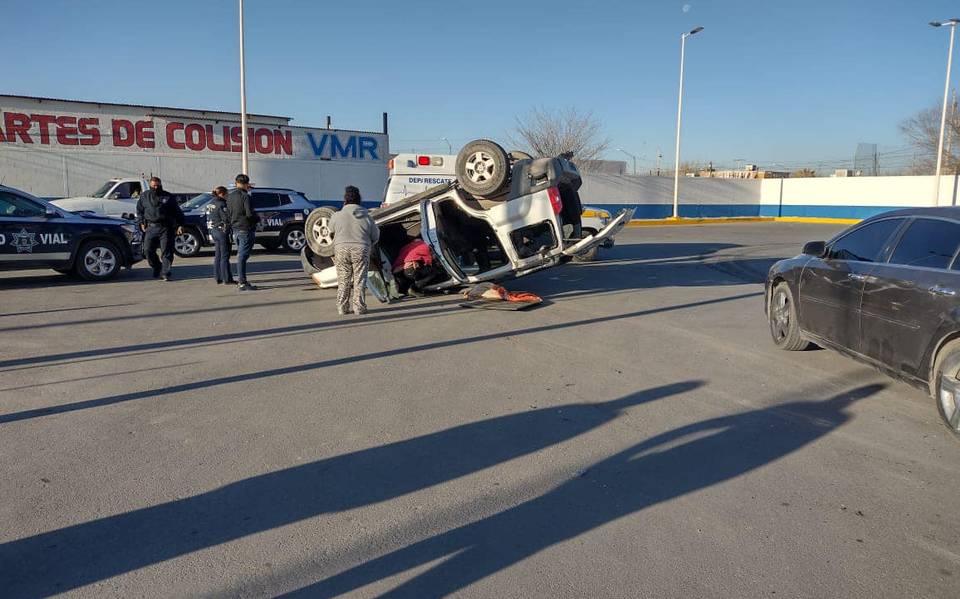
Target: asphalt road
{"x": 636, "y": 436}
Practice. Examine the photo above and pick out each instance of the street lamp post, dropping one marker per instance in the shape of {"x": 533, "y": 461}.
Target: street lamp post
{"x": 631, "y": 156}
{"x": 243, "y": 103}
{"x": 676, "y": 161}
{"x": 952, "y": 24}
{"x": 449, "y": 147}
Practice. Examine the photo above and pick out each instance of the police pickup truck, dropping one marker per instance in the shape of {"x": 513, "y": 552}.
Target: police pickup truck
{"x": 117, "y": 197}
{"x": 282, "y": 214}
{"x": 36, "y": 234}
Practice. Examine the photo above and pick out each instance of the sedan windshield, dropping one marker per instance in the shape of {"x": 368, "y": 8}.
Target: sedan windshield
{"x": 197, "y": 202}
{"x": 102, "y": 192}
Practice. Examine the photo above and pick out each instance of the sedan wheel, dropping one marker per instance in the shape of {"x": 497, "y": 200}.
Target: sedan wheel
{"x": 782, "y": 314}
{"x": 187, "y": 244}
{"x": 946, "y": 386}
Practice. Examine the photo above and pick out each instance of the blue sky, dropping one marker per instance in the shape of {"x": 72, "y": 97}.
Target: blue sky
{"x": 767, "y": 81}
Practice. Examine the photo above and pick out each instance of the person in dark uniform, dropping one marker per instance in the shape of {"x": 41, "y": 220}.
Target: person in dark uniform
{"x": 243, "y": 222}
{"x": 218, "y": 222}
{"x": 161, "y": 220}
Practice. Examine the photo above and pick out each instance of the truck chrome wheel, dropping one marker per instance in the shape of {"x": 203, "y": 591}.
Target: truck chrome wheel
{"x": 480, "y": 167}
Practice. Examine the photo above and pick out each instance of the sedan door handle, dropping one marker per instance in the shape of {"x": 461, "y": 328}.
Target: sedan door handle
{"x": 941, "y": 290}
{"x": 857, "y": 277}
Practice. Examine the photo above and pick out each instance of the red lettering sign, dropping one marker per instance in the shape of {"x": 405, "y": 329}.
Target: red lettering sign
{"x": 44, "y": 121}
{"x": 212, "y": 140}
{"x": 145, "y": 136}
{"x": 123, "y": 134}
{"x": 17, "y": 124}
{"x": 283, "y": 141}
{"x": 90, "y": 127}
{"x": 67, "y": 130}
{"x": 172, "y": 143}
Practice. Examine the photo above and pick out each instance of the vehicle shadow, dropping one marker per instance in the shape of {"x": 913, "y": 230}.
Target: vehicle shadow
{"x": 678, "y": 462}
{"x": 329, "y": 362}
{"x": 64, "y": 559}
{"x": 653, "y": 265}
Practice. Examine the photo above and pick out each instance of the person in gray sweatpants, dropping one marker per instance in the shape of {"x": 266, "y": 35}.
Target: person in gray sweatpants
{"x": 354, "y": 235}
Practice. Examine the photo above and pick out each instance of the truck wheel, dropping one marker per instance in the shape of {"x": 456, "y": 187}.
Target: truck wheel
{"x": 313, "y": 263}
{"x": 292, "y": 239}
{"x": 945, "y": 385}
{"x": 188, "y": 243}
{"x": 98, "y": 260}
{"x": 483, "y": 168}
{"x": 318, "y": 232}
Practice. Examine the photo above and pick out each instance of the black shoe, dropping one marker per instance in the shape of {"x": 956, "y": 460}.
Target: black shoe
{"x": 167, "y": 278}
{"x": 219, "y": 282}
{"x": 245, "y": 287}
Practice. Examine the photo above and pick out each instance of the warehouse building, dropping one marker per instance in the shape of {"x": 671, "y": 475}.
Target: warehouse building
{"x": 61, "y": 148}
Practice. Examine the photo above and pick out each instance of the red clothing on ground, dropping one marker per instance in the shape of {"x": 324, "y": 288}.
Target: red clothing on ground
{"x": 415, "y": 251}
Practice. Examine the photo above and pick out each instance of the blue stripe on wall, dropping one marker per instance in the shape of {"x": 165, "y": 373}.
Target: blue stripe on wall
{"x": 652, "y": 211}
{"x": 817, "y": 211}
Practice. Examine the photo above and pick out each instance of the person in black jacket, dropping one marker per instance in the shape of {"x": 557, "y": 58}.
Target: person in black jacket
{"x": 161, "y": 220}
{"x": 243, "y": 222}
{"x": 218, "y": 222}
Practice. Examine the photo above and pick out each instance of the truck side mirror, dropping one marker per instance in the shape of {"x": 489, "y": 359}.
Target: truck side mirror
{"x": 815, "y": 248}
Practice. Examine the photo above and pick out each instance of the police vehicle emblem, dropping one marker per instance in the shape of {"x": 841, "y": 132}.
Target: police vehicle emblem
{"x": 24, "y": 242}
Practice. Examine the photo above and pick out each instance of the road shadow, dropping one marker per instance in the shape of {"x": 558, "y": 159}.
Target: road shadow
{"x": 330, "y": 362}
{"x": 682, "y": 461}
{"x": 64, "y": 559}
{"x": 653, "y": 265}
{"x": 183, "y": 270}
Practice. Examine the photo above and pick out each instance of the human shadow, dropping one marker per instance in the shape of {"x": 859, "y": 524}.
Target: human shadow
{"x": 667, "y": 466}
{"x": 64, "y": 559}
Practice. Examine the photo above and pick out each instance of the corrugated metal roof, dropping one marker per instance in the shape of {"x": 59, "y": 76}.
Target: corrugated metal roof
{"x": 154, "y": 108}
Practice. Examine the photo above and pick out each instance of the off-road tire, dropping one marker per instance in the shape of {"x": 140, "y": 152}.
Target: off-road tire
{"x": 318, "y": 232}
{"x": 483, "y": 169}
{"x": 313, "y": 263}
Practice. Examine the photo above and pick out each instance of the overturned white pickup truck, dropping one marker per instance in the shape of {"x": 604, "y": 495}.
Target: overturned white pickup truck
{"x": 505, "y": 216}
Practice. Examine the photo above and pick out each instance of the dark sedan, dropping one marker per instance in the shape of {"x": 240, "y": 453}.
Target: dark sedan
{"x": 886, "y": 292}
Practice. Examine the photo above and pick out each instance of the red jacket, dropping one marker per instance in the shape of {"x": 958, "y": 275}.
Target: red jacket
{"x": 415, "y": 251}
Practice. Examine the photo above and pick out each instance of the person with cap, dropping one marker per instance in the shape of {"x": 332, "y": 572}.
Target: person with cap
{"x": 243, "y": 223}
{"x": 161, "y": 220}
{"x": 354, "y": 235}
